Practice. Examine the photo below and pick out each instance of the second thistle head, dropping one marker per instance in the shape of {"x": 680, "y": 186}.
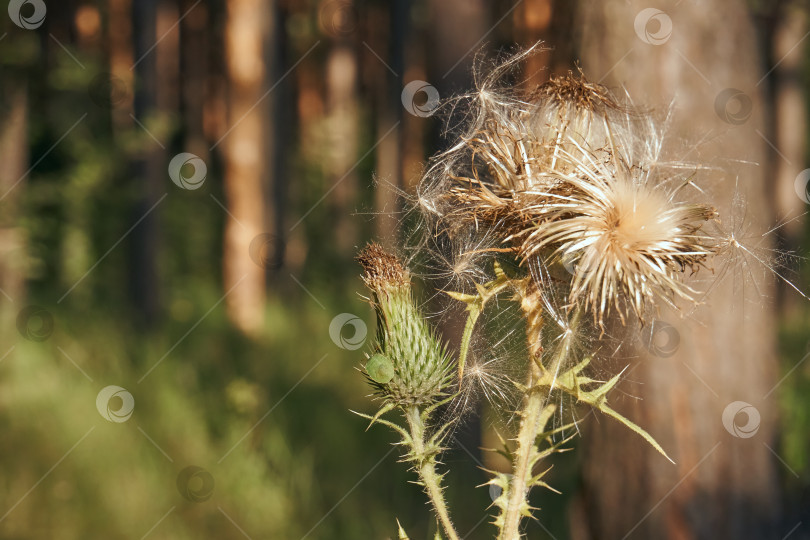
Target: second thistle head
{"x": 410, "y": 365}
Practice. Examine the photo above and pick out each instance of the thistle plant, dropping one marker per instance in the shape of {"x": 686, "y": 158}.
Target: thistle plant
{"x": 556, "y": 201}
{"x": 410, "y": 370}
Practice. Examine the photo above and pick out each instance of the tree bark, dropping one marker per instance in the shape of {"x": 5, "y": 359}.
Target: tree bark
{"x": 245, "y": 162}
{"x": 532, "y": 21}
{"x": 722, "y": 486}
{"x": 388, "y": 32}
{"x": 788, "y": 133}
{"x": 148, "y": 164}
{"x": 13, "y": 166}
{"x": 342, "y": 131}
{"x": 120, "y": 44}
{"x": 280, "y": 145}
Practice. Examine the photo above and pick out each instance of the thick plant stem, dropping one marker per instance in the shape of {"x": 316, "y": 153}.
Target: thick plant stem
{"x": 535, "y": 414}
{"x": 425, "y": 458}
{"x": 530, "y": 425}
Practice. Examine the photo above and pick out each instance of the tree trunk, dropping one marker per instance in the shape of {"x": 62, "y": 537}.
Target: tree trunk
{"x": 148, "y": 165}
{"x": 723, "y": 486}
{"x": 388, "y": 34}
{"x": 280, "y": 145}
{"x": 120, "y": 43}
{"x": 13, "y": 167}
{"x": 342, "y": 130}
{"x": 788, "y": 133}
{"x": 532, "y": 21}
{"x": 245, "y": 163}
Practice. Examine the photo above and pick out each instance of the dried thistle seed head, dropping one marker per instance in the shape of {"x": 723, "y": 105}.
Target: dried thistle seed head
{"x": 570, "y": 173}
{"x": 422, "y": 368}
{"x": 630, "y": 240}
{"x": 576, "y": 92}
{"x": 507, "y": 166}
{"x": 381, "y": 269}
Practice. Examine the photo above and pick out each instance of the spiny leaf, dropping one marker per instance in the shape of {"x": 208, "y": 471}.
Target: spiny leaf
{"x": 597, "y": 397}
{"x": 401, "y": 532}
{"x": 504, "y": 451}
{"x": 384, "y": 409}
{"x": 376, "y": 420}
{"x": 647, "y": 437}
{"x": 571, "y": 383}
{"x": 560, "y": 429}
{"x": 475, "y": 306}
{"x": 429, "y": 410}
{"x": 537, "y": 480}
{"x": 461, "y": 297}
{"x": 547, "y": 414}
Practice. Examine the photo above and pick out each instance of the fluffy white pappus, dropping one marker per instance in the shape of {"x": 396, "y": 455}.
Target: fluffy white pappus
{"x": 630, "y": 240}
{"x": 747, "y": 256}
{"x": 492, "y": 373}
{"x": 568, "y": 173}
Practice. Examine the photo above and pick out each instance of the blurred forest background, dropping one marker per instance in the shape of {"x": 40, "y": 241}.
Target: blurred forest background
{"x": 205, "y": 286}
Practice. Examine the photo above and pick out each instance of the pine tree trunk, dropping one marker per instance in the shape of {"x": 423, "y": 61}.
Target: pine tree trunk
{"x": 245, "y": 163}
{"x": 722, "y": 486}
{"x": 788, "y": 131}
{"x": 389, "y": 40}
{"x": 13, "y": 167}
{"x": 342, "y": 131}
{"x": 148, "y": 165}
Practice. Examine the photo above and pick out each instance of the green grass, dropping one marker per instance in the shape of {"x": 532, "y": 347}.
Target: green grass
{"x": 279, "y": 409}
{"x": 278, "y": 406}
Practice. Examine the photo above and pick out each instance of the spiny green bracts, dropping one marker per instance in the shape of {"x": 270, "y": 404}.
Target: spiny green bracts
{"x": 422, "y": 366}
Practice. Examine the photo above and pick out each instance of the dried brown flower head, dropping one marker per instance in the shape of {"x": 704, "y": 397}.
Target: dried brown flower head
{"x": 381, "y": 269}
{"x": 575, "y": 91}
{"x": 568, "y": 173}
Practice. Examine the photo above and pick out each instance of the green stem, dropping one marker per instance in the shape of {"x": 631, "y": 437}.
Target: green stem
{"x": 518, "y": 489}
{"x": 425, "y": 457}
{"x": 534, "y": 419}
{"x": 472, "y": 317}
{"x": 564, "y": 348}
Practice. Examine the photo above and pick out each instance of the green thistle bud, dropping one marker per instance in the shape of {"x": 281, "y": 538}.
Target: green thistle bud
{"x": 421, "y": 367}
